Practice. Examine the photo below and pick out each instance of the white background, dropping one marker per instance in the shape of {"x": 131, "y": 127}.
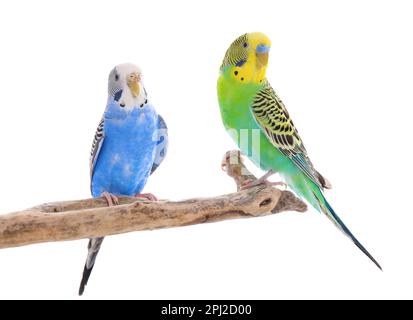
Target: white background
{"x": 344, "y": 71}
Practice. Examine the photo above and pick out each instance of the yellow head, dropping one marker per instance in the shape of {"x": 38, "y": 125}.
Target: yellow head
{"x": 246, "y": 59}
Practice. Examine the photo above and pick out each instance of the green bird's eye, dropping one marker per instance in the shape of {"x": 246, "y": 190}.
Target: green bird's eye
{"x": 245, "y": 44}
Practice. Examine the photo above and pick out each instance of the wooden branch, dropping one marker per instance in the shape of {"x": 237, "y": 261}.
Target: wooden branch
{"x": 89, "y": 218}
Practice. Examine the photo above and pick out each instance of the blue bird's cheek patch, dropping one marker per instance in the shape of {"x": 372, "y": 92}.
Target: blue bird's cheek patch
{"x": 117, "y": 95}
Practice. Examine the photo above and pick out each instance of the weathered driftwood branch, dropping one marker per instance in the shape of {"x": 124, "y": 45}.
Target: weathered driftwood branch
{"x": 71, "y": 220}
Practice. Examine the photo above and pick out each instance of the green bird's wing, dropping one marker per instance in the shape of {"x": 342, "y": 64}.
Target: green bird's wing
{"x": 274, "y": 120}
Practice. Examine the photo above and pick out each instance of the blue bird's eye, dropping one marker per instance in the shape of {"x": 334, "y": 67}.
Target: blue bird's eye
{"x": 116, "y": 77}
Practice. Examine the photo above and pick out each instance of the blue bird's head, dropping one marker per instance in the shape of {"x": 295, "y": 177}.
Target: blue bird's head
{"x": 125, "y": 87}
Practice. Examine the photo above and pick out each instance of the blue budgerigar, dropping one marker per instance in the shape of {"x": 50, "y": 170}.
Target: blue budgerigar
{"x": 130, "y": 143}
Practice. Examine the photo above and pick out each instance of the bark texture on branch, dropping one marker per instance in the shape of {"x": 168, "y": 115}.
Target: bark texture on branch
{"x": 89, "y": 218}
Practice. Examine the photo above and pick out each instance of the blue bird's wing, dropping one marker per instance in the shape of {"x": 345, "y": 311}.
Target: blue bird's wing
{"x": 162, "y": 143}
{"x": 96, "y": 146}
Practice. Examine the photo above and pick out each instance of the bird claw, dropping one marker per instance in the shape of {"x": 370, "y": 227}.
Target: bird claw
{"x": 277, "y": 183}
{"x": 147, "y": 196}
{"x": 111, "y": 199}
{"x": 249, "y": 184}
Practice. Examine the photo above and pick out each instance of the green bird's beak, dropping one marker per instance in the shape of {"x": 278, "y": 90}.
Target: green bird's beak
{"x": 262, "y": 55}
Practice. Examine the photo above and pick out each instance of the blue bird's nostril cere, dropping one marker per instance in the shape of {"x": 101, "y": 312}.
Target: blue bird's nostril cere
{"x": 262, "y": 48}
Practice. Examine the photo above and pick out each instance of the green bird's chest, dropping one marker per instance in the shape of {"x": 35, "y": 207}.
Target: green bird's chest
{"x": 234, "y": 101}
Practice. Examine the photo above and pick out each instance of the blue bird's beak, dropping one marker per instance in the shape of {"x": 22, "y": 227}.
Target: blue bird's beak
{"x": 133, "y": 84}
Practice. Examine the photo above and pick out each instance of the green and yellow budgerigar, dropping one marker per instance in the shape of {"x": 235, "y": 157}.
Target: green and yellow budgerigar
{"x": 259, "y": 123}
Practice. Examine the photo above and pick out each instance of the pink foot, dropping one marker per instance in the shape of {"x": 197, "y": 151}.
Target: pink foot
{"x": 250, "y": 184}
{"x": 110, "y": 198}
{"x": 147, "y": 196}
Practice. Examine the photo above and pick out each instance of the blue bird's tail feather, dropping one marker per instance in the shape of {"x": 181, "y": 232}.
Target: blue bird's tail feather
{"x": 329, "y": 212}
{"x": 93, "y": 250}
{"x": 85, "y": 278}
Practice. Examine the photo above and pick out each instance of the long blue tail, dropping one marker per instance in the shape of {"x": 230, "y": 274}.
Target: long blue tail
{"x": 329, "y": 212}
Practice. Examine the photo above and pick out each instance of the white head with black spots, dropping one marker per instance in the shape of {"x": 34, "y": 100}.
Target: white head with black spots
{"x": 125, "y": 86}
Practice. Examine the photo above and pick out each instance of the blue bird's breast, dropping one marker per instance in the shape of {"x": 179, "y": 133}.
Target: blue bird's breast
{"x": 127, "y": 153}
